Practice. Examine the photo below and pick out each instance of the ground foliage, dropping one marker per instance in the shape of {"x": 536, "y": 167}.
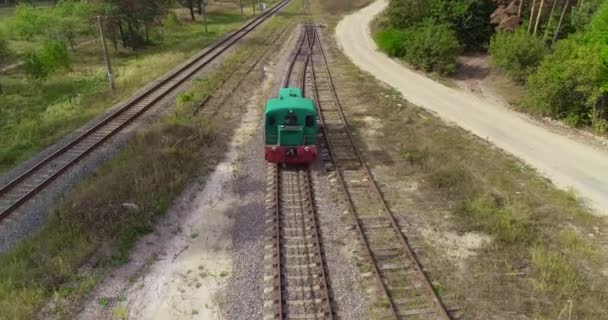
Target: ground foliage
{"x": 571, "y": 83}
{"x": 564, "y": 66}
{"x": 431, "y": 34}
{"x": 518, "y": 53}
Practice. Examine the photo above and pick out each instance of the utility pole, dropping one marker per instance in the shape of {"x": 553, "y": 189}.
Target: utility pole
{"x": 205, "y": 14}
{"x": 253, "y": 6}
{"x": 241, "y": 3}
{"x": 105, "y": 54}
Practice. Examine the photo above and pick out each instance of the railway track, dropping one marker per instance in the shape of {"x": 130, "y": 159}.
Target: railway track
{"x": 406, "y": 288}
{"x": 22, "y": 188}
{"x": 296, "y": 280}
{"x": 297, "y": 285}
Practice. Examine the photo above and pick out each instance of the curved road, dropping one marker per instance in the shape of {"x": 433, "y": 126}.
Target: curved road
{"x": 568, "y": 163}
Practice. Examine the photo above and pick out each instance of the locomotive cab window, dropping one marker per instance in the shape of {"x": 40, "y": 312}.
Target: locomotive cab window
{"x": 271, "y": 121}
{"x": 291, "y": 119}
{"x": 310, "y": 121}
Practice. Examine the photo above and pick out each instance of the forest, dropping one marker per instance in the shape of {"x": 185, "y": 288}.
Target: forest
{"x": 556, "y": 49}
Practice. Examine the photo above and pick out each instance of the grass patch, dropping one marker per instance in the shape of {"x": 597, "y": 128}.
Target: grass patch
{"x": 36, "y": 114}
{"x": 92, "y": 225}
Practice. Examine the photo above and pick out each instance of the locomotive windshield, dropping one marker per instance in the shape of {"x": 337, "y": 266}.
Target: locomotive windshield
{"x": 291, "y": 119}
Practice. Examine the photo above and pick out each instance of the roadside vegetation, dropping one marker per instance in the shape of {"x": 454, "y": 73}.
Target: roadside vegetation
{"x": 430, "y": 35}
{"x": 556, "y": 49}
{"x": 62, "y": 81}
{"x": 99, "y": 221}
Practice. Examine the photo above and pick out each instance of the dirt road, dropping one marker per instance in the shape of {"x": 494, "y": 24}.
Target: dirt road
{"x": 567, "y": 162}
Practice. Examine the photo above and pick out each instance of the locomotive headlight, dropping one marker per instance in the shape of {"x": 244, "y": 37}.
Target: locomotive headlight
{"x": 306, "y": 149}
{"x": 274, "y": 148}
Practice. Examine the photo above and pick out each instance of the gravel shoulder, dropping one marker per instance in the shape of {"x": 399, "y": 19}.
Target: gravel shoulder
{"x": 567, "y": 162}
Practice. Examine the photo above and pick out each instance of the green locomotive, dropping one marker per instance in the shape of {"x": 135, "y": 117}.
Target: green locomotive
{"x": 290, "y": 128}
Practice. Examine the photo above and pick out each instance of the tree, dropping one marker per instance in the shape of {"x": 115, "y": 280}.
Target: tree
{"x": 531, "y": 16}
{"x": 26, "y": 22}
{"x": 63, "y": 22}
{"x": 517, "y": 53}
{"x": 131, "y": 19}
{"x": 520, "y": 9}
{"x": 548, "y": 27}
{"x": 68, "y": 20}
{"x": 540, "y": 11}
{"x": 190, "y": 5}
{"x": 559, "y": 24}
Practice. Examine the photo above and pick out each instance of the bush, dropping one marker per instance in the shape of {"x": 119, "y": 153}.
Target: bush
{"x": 433, "y": 47}
{"x": 54, "y": 56}
{"x": 406, "y": 13}
{"x": 170, "y": 21}
{"x": 469, "y": 18}
{"x": 566, "y": 85}
{"x": 4, "y": 51}
{"x": 430, "y": 47}
{"x": 34, "y": 67}
{"x": 517, "y": 53}
{"x": 26, "y": 22}
{"x": 392, "y": 41}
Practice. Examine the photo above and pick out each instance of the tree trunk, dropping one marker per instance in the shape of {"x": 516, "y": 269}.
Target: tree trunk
{"x": 132, "y": 35}
{"x": 191, "y": 5}
{"x": 122, "y": 34}
{"x": 205, "y": 18}
{"x": 550, "y": 20}
{"x": 540, "y": 11}
{"x": 199, "y": 6}
{"x": 520, "y": 9}
{"x": 531, "y": 16}
{"x": 559, "y": 24}
{"x": 146, "y": 32}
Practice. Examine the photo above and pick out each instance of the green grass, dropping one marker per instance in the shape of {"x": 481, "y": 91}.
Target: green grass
{"x": 91, "y": 225}
{"x": 35, "y": 114}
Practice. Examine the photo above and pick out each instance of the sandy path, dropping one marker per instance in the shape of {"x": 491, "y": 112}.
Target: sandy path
{"x": 569, "y": 163}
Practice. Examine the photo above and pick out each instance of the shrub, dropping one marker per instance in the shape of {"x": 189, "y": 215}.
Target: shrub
{"x": 406, "y": 13}
{"x": 567, "y": 84}
{"x": 55, "y": 56}
{"x": 517, "y": 53}
{"x": 4, "y": 51}
{"x": 433, "y": 47}
{"x": 170, "y": 21}
{"x": 392, "y": 41}
{"x": 33, "y": 66}
{"x": 26, "y": 22}
{"x": 429, "y": 46}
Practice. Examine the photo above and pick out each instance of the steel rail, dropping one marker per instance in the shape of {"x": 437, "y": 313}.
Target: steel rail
{"x": 233, "y": 71}
{"x": 305, "y": 192}
{"x": 317, "y": 236}
{"x": 277, "y": 235}
{"x": 293, "y": 62}
{"x": 178, "y": 76}
{"x": 441, "y": 310}
{"x": 308, "y": 193}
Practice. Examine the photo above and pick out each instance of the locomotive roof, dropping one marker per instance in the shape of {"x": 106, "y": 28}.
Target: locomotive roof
{"x": 290, "y": 98}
